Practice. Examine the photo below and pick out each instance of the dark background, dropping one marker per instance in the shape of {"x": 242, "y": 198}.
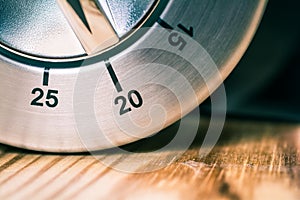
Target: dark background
{"x": 266, "y": 82}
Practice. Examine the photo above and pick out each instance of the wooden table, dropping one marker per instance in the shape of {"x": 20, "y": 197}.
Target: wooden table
{"x": 252, "y": 160}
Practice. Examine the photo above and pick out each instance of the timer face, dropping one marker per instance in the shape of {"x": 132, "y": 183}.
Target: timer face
{"x": 68, "y": 28}
{"x": 84, "y": 75}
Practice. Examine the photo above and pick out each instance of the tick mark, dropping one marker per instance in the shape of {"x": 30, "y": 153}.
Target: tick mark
{"x": 113, "y": 76}
{"x": 189, "y": 31}
{"x": 164, "y": 24}
{"x": 46, "y": 76}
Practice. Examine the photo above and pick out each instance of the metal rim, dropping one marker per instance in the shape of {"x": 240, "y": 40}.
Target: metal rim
{"x": 55, "y": 129}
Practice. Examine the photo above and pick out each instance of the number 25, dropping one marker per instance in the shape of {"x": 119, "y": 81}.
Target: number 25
{"x": 51, "y": 99}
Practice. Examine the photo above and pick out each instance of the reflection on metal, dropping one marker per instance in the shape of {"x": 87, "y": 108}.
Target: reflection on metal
{"x": 55, "y": 29}
{"x": 37, "y": 28}
{"x": 89, "y": 24}
{"x": 124, "y": 15}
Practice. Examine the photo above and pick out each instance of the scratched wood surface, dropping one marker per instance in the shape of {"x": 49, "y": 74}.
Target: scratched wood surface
{"x": 252, "y": 160}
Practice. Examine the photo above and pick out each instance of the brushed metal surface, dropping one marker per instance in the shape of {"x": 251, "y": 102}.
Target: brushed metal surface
{"x": 223, "y": 28}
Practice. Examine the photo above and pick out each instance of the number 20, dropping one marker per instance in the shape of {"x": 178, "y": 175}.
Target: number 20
{"x": 134, "y": 103}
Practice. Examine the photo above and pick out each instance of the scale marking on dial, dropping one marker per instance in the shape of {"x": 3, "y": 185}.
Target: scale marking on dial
{"x": 46, "y": 76}
{"x": 164, "y": 24}
{"x": 113, "y": 76}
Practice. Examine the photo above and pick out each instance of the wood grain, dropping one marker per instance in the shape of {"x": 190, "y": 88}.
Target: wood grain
{"x": 252, "y": 160}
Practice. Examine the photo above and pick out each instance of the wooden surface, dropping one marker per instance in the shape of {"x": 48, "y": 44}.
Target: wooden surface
{"x": 252, "y": 160}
